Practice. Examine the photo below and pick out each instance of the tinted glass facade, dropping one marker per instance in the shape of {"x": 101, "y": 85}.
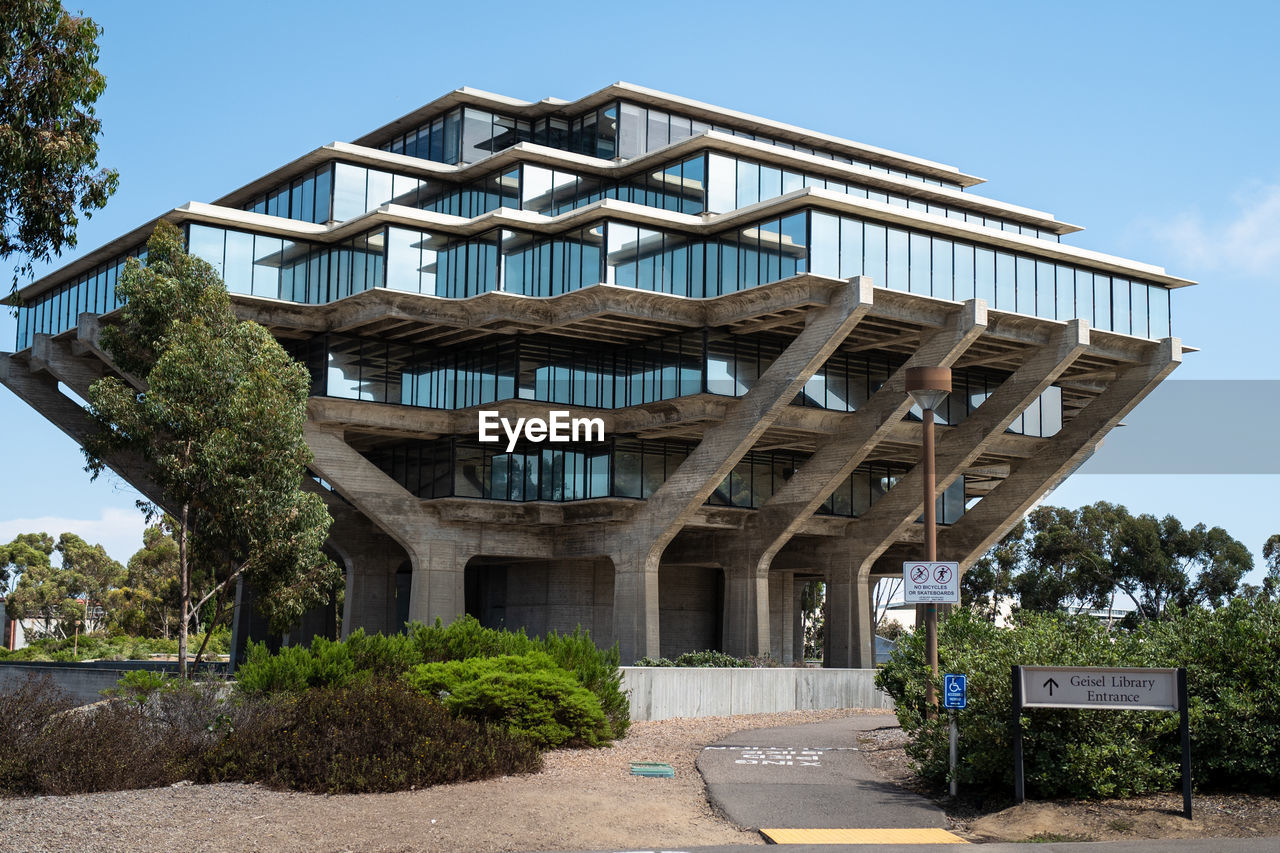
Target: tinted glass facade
{"x": 618, "y": 468}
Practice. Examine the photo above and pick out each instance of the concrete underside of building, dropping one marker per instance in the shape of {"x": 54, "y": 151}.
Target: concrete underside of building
{"x": 719, "y": 491}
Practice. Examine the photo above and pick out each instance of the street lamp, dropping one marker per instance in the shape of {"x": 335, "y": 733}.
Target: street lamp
{"x": 928, "y": 387}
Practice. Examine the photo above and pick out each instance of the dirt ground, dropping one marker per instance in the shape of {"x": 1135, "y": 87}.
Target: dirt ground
{"x": 581, "y": 799}
{"x": 1159, "y": 816}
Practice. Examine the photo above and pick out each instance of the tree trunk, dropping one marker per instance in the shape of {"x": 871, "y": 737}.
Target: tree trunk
{"x": 184, "y": 574}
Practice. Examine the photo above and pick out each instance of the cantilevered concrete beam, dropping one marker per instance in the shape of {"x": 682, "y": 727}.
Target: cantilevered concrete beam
{"x": 1031, "y": 479}
{"x": 960, "y": 446}
{"x": 40, "y": 392}
{"x": 639, "y": 545}
{"x": 786, "y": 513}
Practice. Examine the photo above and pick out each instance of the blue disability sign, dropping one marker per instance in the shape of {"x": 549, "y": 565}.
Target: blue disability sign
{"x": 955, "y": 691}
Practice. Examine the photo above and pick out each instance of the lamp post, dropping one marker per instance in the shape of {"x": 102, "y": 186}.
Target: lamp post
{"x": 928, "y": 387}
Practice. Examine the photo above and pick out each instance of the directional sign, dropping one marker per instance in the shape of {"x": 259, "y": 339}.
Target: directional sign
{"x": 955, "y": 691}
{"x": 1126, "y": 688}
{"x": 930, "y": 583}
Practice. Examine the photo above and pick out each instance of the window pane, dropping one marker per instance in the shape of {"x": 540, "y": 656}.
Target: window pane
{"x": 721, "y": 183}
{"x": 206, "y": 243}
{"x": 921, "y": 265}
{"x": 348, "y": 191}
{"x": 851, "y": 248}
{"x": 984, "y": 261}
{"x": 874, "y": 254}
{"x": 238, "y": 272}
{"x": 826, "y": 245}
{"x": 1006, "y": 286}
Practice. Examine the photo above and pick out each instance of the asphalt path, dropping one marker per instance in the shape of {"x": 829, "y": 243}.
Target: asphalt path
{"x": 811, "y": 776}
{"x": 1159, "y": 845}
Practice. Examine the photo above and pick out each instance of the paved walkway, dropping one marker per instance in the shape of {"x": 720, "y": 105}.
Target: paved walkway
{"x": 810, "y": 777}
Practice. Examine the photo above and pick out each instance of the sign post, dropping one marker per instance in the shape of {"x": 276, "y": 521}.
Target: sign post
{"x": 1102, "y": 688}
{"x": 955, "y": 696}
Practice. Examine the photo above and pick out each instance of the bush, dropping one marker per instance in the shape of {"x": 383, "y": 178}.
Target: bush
{"x": 100, "y": 646}
{"x": 530, "y": 695}
{"x": 1231, "y": 656}
{"x": 52, "y": 747}
{"x": 329, "y": 664}
{"x": 708, "y": 659}
{"x": 374, "y": 736}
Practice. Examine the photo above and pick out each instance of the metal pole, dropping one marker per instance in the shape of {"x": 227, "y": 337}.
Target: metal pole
{"x": 955, "y": 749}
{"x": 1019, "y": 782}
{"x": 1185, "y": 725}
{"x": 930, "y": 555}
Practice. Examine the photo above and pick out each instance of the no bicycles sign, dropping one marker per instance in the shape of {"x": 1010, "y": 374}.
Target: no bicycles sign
{"x": 930, "y": 583}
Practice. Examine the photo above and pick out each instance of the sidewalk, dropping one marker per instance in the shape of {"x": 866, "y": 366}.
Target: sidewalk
{"x": 812, "y": 777}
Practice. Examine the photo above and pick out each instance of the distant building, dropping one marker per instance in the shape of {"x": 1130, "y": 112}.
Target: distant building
{"x": 719, "y": 306}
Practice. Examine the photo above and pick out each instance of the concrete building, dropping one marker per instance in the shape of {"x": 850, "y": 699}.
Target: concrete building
{"x": 723, "y": 305}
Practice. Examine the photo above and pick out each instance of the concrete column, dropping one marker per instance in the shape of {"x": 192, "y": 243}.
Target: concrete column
{"x": 370, "y": 600}
{"x": 746, "y": 611}
{"x": 439, "y": 588}
{"x": 635, "y": 607}
{"x": 782, "y": 606}
{"x": 848, "y": 626}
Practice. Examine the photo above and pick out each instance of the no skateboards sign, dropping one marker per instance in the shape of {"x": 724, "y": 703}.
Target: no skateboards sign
{"x": 931, "y": 583}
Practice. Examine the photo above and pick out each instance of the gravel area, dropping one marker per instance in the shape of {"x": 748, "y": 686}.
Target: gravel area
{"x": 582, "y": 798}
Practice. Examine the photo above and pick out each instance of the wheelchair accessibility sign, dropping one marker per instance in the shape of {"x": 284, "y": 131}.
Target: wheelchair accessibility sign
{"x": 955, "y": 691}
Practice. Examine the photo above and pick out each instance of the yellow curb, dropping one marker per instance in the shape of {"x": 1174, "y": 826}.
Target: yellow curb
{"x": 861, "y": 836}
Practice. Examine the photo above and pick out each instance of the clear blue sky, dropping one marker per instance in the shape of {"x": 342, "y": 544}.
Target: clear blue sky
{"x": 1154, "y": 125}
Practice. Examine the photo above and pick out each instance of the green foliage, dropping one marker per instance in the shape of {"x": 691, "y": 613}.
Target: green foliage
{"x": 139, "y": 685}
{"x": 56, "y": 595}
{"x": 530, "y": 695}
{"x": 707, "y": 658}
{"x": 48, "y": 130}
{"x": 1230, "y": 654}
{"x": 221, "y": 424}
{"x": 335, "y": 664}
{"x": 1058, "y": 557}
{"x": 374, "y": 736}
{"x": 107, "y": 647}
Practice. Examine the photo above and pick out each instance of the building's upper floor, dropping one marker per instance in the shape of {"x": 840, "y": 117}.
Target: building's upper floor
{"x": 477, "y": 193}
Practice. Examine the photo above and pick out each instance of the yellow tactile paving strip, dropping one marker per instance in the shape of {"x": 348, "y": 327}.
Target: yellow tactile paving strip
{"x": 861, "y": 836}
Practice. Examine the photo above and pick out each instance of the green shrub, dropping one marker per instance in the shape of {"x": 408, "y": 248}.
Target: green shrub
{"x": 327, "y": 664}
{"x": 530, "y": 695}
{"x": 296, "y": 668}
{"x": 373, "y": 736}
{"x": 706, "y": 658}
{"x": 1230, "y": 654}
{"x": 139, "y": 685}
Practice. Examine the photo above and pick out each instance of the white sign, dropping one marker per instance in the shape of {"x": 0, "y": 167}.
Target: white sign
{"x": 930, "y": 583}
{"x": 558, "y": 428}
{"x": 1124, "y": 688}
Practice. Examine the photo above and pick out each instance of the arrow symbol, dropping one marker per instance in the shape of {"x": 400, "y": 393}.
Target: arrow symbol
{"x": 1050, "y": 683}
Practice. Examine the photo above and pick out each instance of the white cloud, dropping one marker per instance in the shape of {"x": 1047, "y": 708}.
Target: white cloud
{"x": 118, "y": 531}
{"x": 1248, "y": 242}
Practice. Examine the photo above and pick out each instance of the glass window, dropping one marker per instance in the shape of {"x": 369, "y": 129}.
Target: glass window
{"x": 659, "y": 130}
{"x": 1121, "y": 320}
{"x": 748, "y": 183}
{"x": 379, "y": 191}
{"x": 941, "y": 285}
{"x": 921, "y": 265}
{"x": 964, "y": 273}
{"x": 1006, "y": 285}
{"x": 1101, "y": 301}
{"x": 851, "y": 248}
{"x": 1066, "y": 293}
{"x": 323, "y": 195}
{"x": 238, "y": 271}
{"x": 1161, "y": 326}
{"x": 1141, "y": 317}
{"x": 206, "y": 243}
{"x": 631, "y": 131}
{"x": 1084, "y": 295}
{"x": 874, "y": 253}
{"x": 348, "y": 191}
{"x": 721, "y": 183}
{"x": 826, "y": 244}
{"x": 984, "y": 261}
{"x": 1046, "y": 298}
{"x": 1026, "y": 286}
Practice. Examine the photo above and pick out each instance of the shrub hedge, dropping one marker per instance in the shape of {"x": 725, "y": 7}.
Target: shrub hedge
{"x": 530, "y": 695}
{"x": 373, "y": 736}
{"x": 339, "y": 664}
{"x": 109, "y": 647}
{"x": 1231, "y": 656}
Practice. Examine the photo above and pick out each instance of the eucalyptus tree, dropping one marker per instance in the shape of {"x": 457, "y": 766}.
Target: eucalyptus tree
{"x": 219, "y": 419}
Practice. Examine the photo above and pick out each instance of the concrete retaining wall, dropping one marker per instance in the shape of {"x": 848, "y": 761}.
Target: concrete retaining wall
{"x": 660, "y": 693}
{"x": 83, "y": 681}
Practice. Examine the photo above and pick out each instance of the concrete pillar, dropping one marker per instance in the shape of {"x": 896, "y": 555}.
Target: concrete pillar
{"x": 439, "y": 582}
{"x": 848, "y": 626}
{"x": 370, "y": 600}
{"x": 782, "y": 606}
{"x": 746, "y": 611}
{"x": 635, "y": 607}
